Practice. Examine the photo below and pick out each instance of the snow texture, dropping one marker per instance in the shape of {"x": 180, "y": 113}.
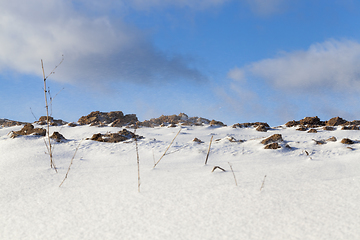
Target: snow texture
{"x": 310, "y": 191}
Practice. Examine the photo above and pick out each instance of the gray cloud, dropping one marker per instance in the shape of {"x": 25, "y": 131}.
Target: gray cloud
{"x": 95, "y": 48}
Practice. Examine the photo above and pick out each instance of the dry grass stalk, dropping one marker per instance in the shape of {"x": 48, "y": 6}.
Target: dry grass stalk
{"x": 263, "y": 183}
{"x": 137, "y": 157}
{"x": 48, "y": 142}
{"x": 167, "y": 148}
{"x": 217, "y": 167}
{"x": 71, "y": 162}
{"x": 207, "y": 155}
{"x": 233, "y": 173}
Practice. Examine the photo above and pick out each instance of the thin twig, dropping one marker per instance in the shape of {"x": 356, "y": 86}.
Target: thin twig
{"x": 217, "y": 167}
{"x": 71, "y": 162}
{"x": 137, "y": 157}
{"x": 33, "y": 114}
{"x": 263, "y": 182}
{"x": 53, "y": 71}
{"x": 207, "y": 155}
{"x": 233, "y": 173}
{"x": 167, "y": 148}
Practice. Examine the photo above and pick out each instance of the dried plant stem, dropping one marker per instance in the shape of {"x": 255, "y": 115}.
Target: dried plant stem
{"x": 263, "y": 183}
{"x": 207, "y": 155}
{"x": 48, "y": 143}
{"x": 137, "y": 158}
{"x": 167, "y": 148}
{"x": 71, "y": 162}
{"x": 233, "y": 173}
{"x": 217, "y": 167}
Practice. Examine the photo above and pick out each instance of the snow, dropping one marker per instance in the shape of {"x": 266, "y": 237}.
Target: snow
{"x": 313, "y": 196}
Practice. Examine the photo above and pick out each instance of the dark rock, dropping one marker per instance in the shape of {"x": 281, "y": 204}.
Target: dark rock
{"x": 10, "y": 123}
{"x": 312, "y": 131}
{"x": 53, "y": 122}
{"x": 292, "y": 123}
{"x": 353, "y": 127}
{"x": 217, "y": 123}
{"x": 302, "y": 128}
{"x": 197, "y": 140}
{"x": 262, "y": 128}
{"x": 115, "y": 118}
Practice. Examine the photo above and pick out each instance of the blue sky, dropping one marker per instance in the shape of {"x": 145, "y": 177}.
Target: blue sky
{"x": 229, "y": 60}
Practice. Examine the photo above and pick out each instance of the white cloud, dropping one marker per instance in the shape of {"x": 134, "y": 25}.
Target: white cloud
{"x": 236, "y": 74}
{"x": 95, "y": 48}
{"x": 199, "y": 4}
{"x": 329, "y": 65}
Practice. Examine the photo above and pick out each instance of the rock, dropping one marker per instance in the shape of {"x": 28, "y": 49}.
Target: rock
{"x": 274, "y": 145}
{"x": 311, "y": 121}
{"x": 10, "y": 123}
{"x": 255, "y": 124}
{"x": 347, "y": 141}
{"x": 217, "y": 123}
{"x": 29, "y": 129}
{"x": 319, "y": 142}
{"x": 262, "y": 128}
{"x": 120, "y": 136}
{"x": 292, "y": 123}
{"x": 331, "y": 139}
{"x": 301, "y": 128}
{"x": 53, "y": 122}
{"x": 335, "y": 121}
{"x": 312, "y": 131}
{"x": 197, "y": 140}
{"x": 272, "y": 138}
{"x": 115, "y": 118}
{"x": 72, "y": 124}
{"x": 58, "y": 137}
{"x": 328, "y": 128}
{"x": 353, "y": 127}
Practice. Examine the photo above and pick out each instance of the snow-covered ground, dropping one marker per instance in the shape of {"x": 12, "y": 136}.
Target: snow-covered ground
{"x": 315, "y": 196}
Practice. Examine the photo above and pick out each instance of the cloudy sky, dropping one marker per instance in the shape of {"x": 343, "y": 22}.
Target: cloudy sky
{"x": 229, "y": 60}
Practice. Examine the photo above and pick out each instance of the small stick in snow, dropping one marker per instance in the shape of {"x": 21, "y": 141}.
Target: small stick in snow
{"x": 207, "y": 155}
{"x": 72, "y": 159}
{"x": 233, "y": 173}
{"x": 262, "y": 185}
{"x": 217, "y": 167}
{"x": 167, "y": 148}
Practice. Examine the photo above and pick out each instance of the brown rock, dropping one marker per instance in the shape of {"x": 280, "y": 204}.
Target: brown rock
{"x": 347, "y": 141}
{"x": 262, "y": 128}
{"x": 58, "y": 137}
{"x": 332, "y": 139}
{"x": 121, "y": 136}
{"x": 272, "y": 138}
{"x": 197, "y": 140}
{"x": 301, "y": 128}
{"x": 274, "y": 145}
{"x": 312, "y": 131}
{"x": 335, "y": 121}
{"x": 29, "y": 129}
{"x": 328, "y": 128}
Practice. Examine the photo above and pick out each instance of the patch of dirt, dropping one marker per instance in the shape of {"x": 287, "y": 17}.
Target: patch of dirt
{"x": 28, "y": 129}
{"x": 115, "y": 118}
{"x": 120, "y": 136}
{"x": 272, "y": 139}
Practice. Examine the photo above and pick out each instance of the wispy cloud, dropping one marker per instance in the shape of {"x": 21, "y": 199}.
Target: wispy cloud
{"x": 329, "y": 65}
{"x": 95, "y": 48}
{"x": 267, "y": 7}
